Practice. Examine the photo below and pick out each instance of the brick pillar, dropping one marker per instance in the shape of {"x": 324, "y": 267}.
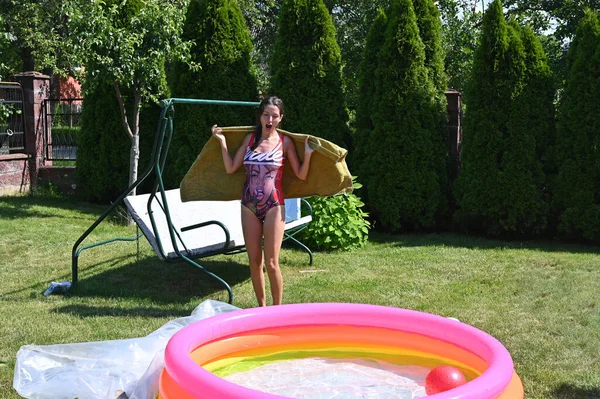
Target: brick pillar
{"x": 36, "y": 88}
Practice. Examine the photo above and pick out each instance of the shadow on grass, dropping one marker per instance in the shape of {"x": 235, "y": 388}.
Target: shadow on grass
{"x": 475, "y": 242}
{"x": 159, "y": 281}
{"x": 568, "y": 391}
{"x": 24, "y": 207}
{"x": 83, "y": 311}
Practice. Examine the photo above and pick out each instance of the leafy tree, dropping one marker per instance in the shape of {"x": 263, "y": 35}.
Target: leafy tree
{"x": 37, "y": 32}
{"x": 222, "y": 48}
{"x": 555, "y": 22}
{"x": 461, "y": 25}
{"x": 261, "y": 18}
{"x": 10, "y": 62}
{"x": 306, "y": 68}
{"x": 127, "y": 52}
{"x": 577, "y": 196}
{"x": 541, "y": 88}
{"x": 102, "y": 156}
{"x": 404, "y": 189}
{"x": 353, "y": 20}
{"x": 559, "y": 16}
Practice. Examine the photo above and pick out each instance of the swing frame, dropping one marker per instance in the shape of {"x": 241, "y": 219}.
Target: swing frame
{"x": 162, "y": 140}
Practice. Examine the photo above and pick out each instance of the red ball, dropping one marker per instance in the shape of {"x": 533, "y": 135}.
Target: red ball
{"x": 443, "y": 378}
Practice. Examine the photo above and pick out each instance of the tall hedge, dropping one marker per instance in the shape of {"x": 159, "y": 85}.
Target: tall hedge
{"x": 404, "y": 189}
{"x": 222, "y": 48}
{"x": 306, "y": 71}
{"x": 577, "y": 196}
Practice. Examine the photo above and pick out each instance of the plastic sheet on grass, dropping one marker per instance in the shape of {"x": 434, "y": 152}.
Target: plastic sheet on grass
{"x": 127, "y": 368}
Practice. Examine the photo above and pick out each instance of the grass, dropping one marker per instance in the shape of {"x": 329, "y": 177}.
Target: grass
{"x": 539, "y": 298}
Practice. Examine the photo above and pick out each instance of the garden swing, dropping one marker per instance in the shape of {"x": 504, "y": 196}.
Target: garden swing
{"x": 186, "y": 231}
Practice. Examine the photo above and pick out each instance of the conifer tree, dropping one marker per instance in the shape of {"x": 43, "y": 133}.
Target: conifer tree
{"x": 524, "y": 207}
{"x": 306, "y": 68}
{"x": 577, "y": 194}
{"x": 103, "y": 150}
{"x": 364, "y": 109}
{"x": 508, "y": 129}
{"x": 404, "y": 190}
{"x": 497, "y": 66}
{"x": 430, "y": 30}
{"x": 222, "y": 49}
{"x": 306, "y": 72}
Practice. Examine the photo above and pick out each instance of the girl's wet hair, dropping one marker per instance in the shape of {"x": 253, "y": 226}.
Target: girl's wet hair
{"x": 269, "y": 100}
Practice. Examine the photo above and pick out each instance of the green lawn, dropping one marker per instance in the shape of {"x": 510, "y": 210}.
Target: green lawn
{"x": 539, "y": 298}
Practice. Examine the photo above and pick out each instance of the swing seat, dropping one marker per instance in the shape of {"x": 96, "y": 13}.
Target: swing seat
{"x": 201, "y": 228}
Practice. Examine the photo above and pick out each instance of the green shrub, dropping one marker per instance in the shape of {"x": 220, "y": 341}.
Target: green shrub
{"x": 70, "y": 134}
{"x": 339, "y": 223}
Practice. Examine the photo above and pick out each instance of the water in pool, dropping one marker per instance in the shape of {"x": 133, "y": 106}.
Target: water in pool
{"x": 329, "y": 378}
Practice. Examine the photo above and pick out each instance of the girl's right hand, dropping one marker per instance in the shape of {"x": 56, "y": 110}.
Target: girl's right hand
{"x": 217, "y": 132}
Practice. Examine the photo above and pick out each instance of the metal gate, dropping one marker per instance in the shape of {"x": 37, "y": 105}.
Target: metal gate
{"x": 62, "y": 118}
{"x": 12, "y": 128}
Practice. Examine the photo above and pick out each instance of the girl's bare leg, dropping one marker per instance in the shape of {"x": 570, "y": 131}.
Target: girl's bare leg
{"x": 253, "y": 231}
{"x": 273, "y": 229}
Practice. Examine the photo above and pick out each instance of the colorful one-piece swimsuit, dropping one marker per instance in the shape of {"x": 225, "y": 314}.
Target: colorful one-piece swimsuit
{"x": 262, "y": 188}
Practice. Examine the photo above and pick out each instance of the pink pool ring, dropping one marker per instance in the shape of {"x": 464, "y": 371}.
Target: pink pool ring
{"x": 260, "y": 330}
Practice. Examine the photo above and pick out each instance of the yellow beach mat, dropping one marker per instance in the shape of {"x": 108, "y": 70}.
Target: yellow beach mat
{"x": 207, "y": 179}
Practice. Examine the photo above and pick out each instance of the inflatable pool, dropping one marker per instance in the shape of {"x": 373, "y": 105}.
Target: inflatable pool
{"x": 333, "y": 330}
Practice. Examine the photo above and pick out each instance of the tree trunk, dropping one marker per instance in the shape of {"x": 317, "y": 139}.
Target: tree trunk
{"x": 134, "y": 156}
{"x": 135, "y": 138}
{"x": 132, "y": 130}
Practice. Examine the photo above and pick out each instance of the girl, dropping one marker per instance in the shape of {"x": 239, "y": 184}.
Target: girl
{"x": 263, "y": 154}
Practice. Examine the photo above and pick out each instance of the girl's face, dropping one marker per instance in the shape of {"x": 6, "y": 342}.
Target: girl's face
{"x": 262, "y": 183}
{"x": 270, "y": 118}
